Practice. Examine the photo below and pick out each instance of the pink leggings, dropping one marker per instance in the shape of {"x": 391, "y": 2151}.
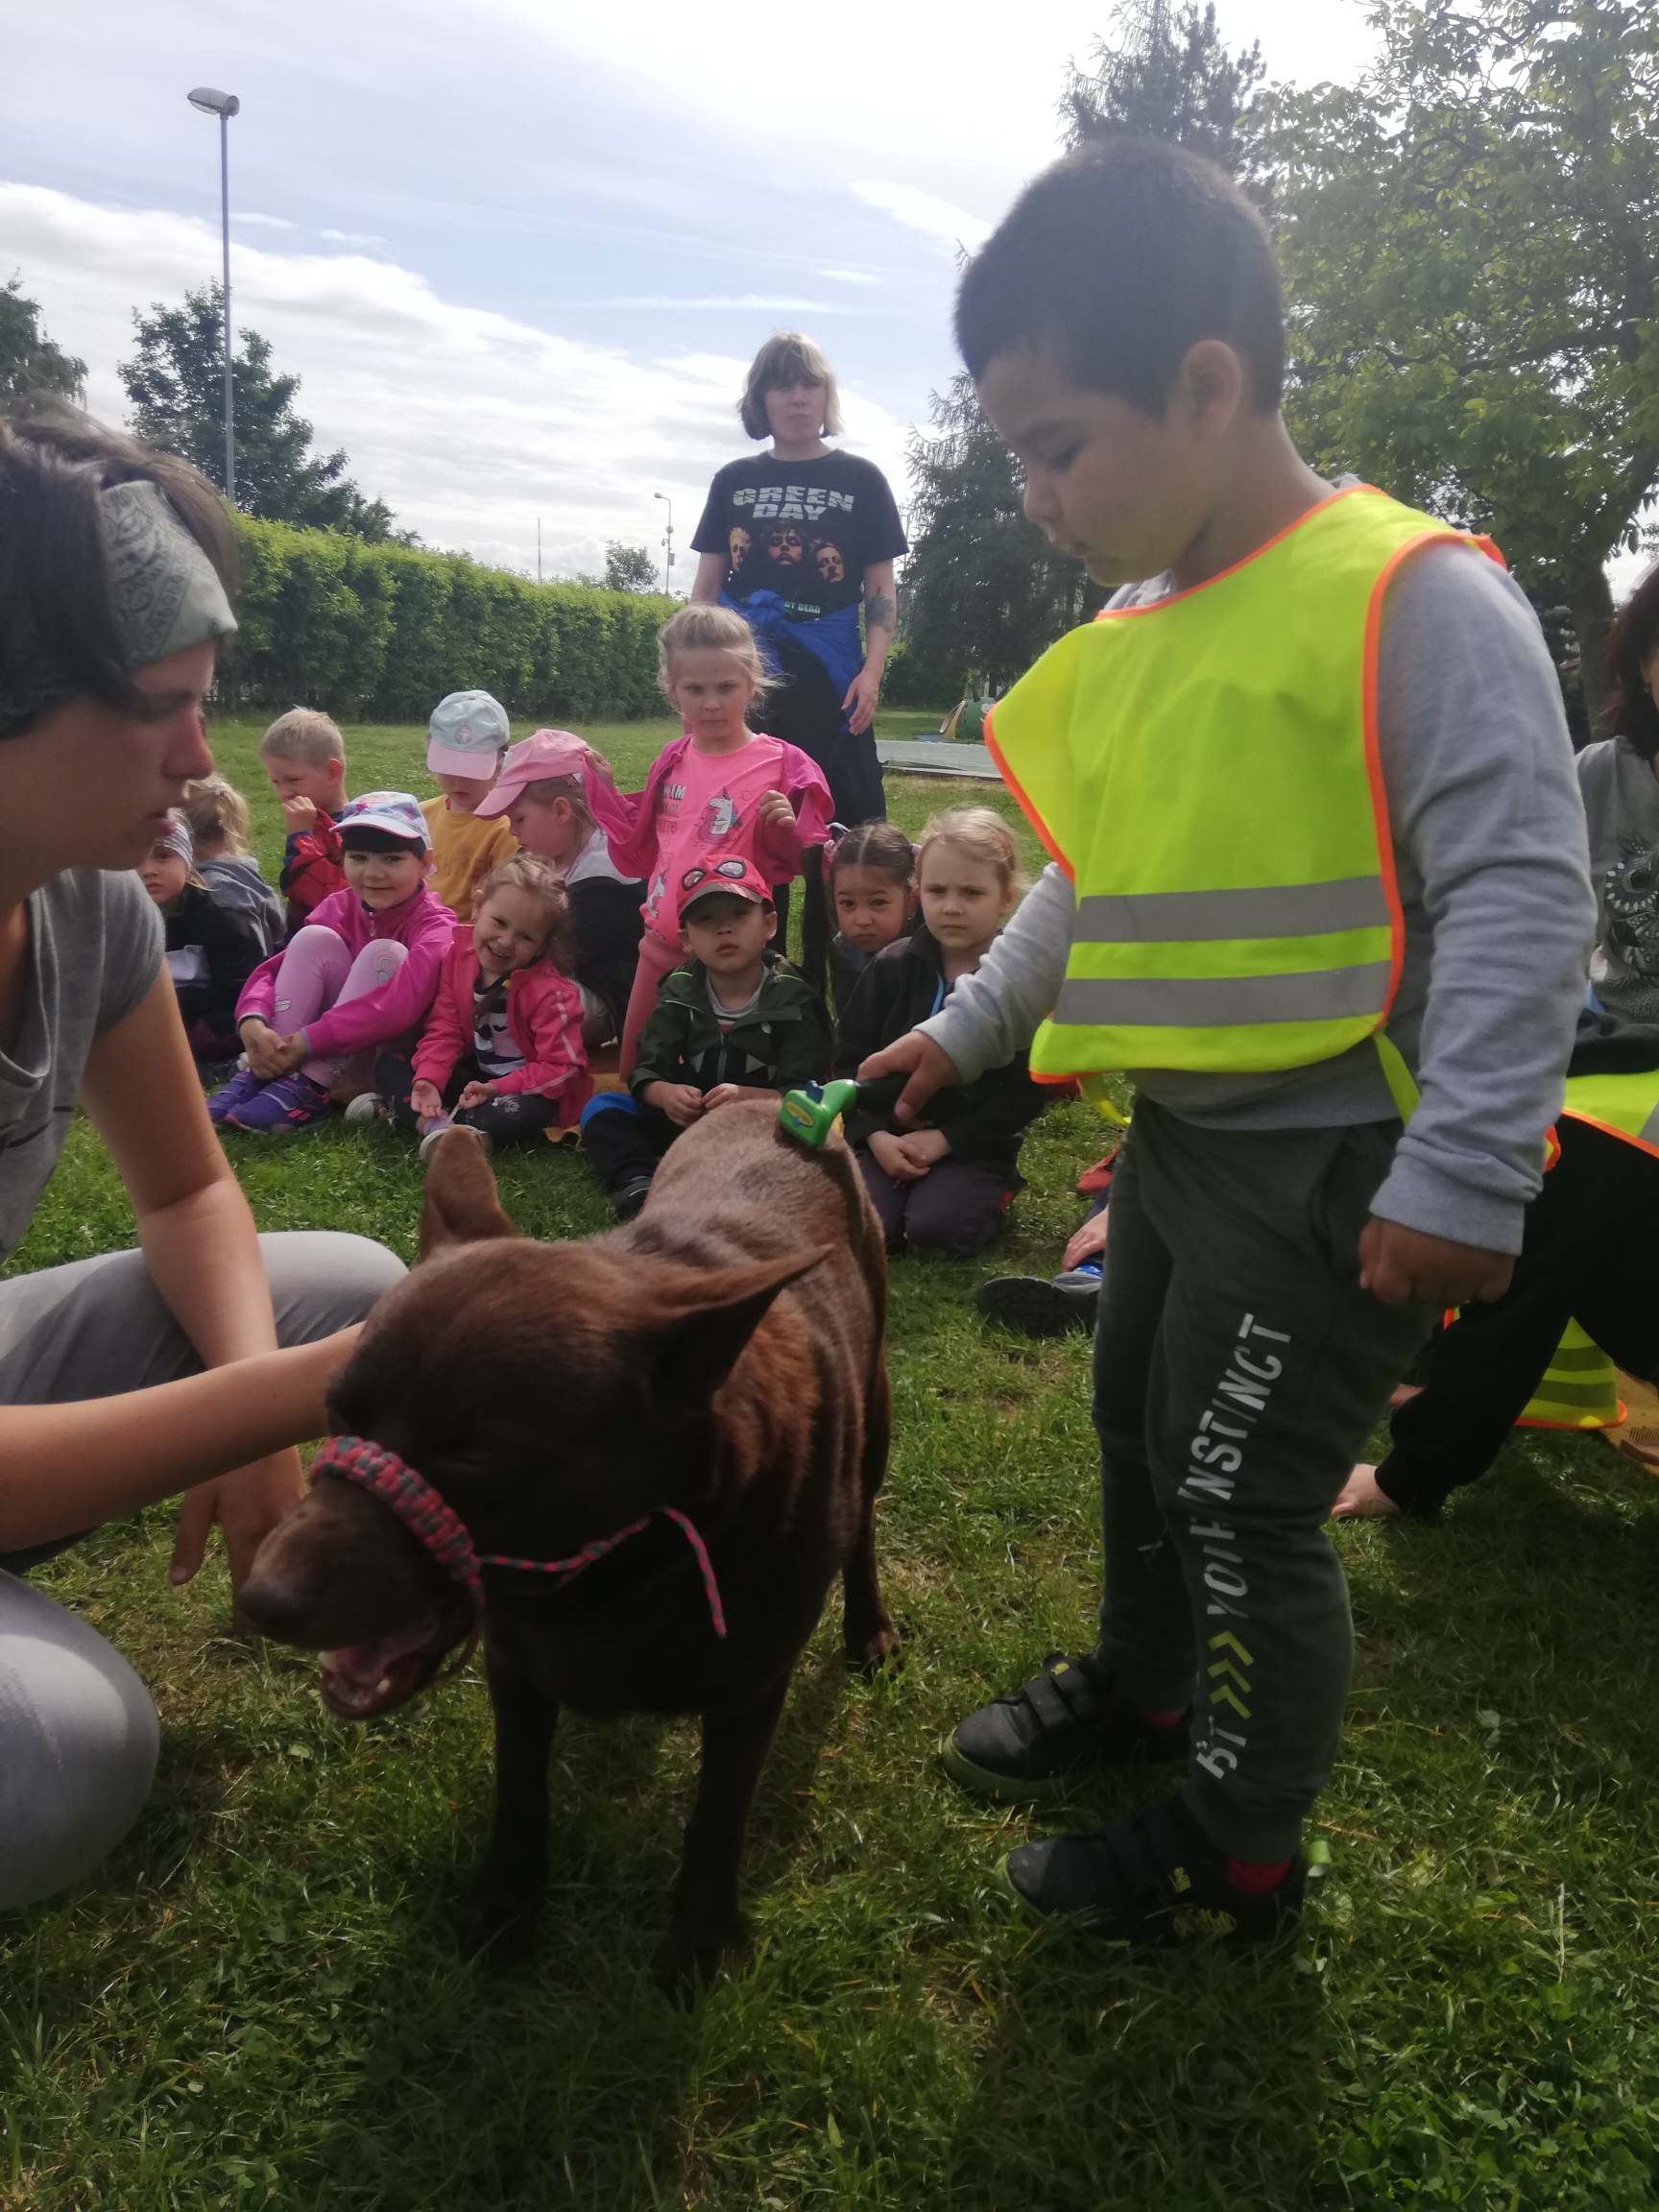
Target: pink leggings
{"x": 317, "y": 973}
{"x": 657, "y": 959}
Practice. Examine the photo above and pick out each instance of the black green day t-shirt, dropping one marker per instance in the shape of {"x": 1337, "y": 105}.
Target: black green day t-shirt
{"x": 805, "y": 529}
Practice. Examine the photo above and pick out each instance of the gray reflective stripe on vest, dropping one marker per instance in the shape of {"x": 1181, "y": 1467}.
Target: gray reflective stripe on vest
{"x": 1219, "y": 1001}
{"x": 1266, "y": 910}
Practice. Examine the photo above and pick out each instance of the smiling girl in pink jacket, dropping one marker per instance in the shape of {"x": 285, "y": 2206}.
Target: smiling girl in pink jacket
{"x": 501, "y": 1052}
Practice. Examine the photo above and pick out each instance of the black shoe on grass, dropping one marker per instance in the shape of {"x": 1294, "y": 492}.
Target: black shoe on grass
{"x": 1155, "y": 1881}
{"x": 628, "y": 1197}
{"x": 1032, "y": 1305}
{"x": 1065, "y": 1723}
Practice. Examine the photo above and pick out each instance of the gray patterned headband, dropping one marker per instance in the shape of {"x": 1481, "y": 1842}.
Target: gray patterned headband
{"x": 164, "y": 591}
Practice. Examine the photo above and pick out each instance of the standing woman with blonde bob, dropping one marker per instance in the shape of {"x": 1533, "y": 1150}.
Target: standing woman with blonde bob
{"x": 795, "y": 540}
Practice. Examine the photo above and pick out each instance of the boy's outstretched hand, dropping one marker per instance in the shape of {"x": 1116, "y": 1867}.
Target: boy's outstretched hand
{"x": 1401, "y": 1266}
{"x": 928, "y": 1068}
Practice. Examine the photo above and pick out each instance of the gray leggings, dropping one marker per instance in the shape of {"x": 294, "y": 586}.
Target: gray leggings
{"x": 78, "y": 1732}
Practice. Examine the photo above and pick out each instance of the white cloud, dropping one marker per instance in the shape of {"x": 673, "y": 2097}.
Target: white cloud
{"x": 262, "y": 222}
{"x": 850, "y": 275}
{"x": 750, "y": 301}
{"x": 351, "y": 237}
{"x": 952, "y": 227}
{"x": 468, "y": 423}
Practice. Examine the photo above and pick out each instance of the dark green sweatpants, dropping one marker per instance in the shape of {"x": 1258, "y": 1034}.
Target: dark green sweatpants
{"x": 1239, "y": 1370}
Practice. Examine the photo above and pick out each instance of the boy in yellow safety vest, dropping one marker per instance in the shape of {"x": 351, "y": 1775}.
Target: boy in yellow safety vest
{"x": 1316, "y": 848}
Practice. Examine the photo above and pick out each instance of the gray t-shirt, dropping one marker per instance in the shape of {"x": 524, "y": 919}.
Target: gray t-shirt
{"x": 95, "y": 941}
{"x": 1494, "y": 882}
{"x": 1620, "y": 795}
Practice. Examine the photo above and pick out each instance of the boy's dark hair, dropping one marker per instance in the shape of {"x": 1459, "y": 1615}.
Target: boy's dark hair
{"x": 1630, "y": 712}
{"x": 356, "y": 840}
{"x": 1117, "y": 260}
{"x": 56, "y": 596}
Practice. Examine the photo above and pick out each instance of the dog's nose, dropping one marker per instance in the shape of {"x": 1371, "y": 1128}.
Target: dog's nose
{"x": 277, "y": 1606}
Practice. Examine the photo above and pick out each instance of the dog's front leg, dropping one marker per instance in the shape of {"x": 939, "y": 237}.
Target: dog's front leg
{"x": 507, "y": 1895}
{"x": 707, "y": 1924}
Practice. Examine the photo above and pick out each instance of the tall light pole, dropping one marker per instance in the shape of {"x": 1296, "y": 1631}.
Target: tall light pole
{"x": 668, "y": 540}
{"x": 224, "y": 105}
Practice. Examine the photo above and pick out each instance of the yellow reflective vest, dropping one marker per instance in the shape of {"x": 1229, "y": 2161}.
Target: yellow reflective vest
{"x": 1624, "y": 1106}
{"x": 1205, "y": 771}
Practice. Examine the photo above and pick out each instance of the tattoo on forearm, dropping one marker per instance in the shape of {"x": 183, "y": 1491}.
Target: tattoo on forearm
{"x": 879, "y": 611}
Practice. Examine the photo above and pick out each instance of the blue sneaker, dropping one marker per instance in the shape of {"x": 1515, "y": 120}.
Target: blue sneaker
{"x": 230, "y": 1096}
{"x": 282, "y": 1108}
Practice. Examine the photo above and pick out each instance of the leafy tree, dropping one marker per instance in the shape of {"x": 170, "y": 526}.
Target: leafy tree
{"x": 984, "y": 591}
{"x": 1163, "y": 73}
{"x": 29, "y": 361}
{"x": 629, "y": 568}
{"x": 176, "y": 383}
{"x": 1471, "y": 238}
{"x": 983, "y": 588}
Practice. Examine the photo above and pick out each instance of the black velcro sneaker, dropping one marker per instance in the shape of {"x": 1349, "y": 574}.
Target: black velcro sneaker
{"x": 1064, "y": 1724}
{"x": 1154, "y": 1881}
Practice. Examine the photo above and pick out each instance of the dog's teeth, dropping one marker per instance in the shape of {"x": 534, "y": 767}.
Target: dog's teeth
{"x": 383, "y": 1685}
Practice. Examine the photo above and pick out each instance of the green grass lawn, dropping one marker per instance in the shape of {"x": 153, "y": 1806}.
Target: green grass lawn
{"x": 258, "y": 2001}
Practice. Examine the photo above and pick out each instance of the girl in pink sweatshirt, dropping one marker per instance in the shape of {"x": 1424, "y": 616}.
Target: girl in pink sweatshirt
{"x": 501, "y": 1052}
{"x": 720, "y": 788}
{"x": 359, "y": 975}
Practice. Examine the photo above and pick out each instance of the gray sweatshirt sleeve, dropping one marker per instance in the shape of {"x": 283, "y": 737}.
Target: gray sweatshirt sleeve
{"x": 994, "y": 1013}
{"x": 1484, "y": 807}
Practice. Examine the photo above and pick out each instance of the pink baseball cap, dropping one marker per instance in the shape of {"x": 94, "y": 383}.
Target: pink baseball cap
{"x": 543, "y": 753}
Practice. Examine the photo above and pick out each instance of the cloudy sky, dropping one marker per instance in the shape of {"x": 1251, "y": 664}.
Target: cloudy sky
{"x": 520, "y": 251}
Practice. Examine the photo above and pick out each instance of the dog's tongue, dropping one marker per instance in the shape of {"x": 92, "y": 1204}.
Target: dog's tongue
{"x": 366, "y": 1678}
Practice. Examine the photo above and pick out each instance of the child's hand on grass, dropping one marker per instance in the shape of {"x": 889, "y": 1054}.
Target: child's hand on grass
{"x": 682, "y": 1103}
{"x": 1086, "y": 1242}
{"x": 475, "y": 1095}
{"x": 300, "y": 815}
{"x": 426, "y": 1100}
{"x": 1404, "y": 1267}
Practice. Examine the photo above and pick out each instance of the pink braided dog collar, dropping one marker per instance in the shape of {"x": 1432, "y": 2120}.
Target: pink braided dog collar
{"x": 445, "y": 1534}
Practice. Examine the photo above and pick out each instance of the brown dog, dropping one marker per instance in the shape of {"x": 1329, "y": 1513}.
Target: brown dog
{"x": 721, "y": 1356}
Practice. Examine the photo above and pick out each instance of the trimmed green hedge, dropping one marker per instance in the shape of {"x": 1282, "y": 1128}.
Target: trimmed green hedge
{"x": 380, "y": 633}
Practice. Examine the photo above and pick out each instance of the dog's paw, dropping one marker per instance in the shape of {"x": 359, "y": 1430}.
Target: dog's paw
{"x": 882, "y": 1649}
{"x": 495, "y": 1924}
{"x": 690, "y": 1957}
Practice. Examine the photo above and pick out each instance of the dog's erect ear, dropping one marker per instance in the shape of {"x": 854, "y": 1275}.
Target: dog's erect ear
{"x": 461, "y": 1206}
{"x": 696, "y": 1340}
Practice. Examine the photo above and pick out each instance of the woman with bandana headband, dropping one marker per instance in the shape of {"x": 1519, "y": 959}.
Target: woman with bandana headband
{"x": 199, "y": 1360}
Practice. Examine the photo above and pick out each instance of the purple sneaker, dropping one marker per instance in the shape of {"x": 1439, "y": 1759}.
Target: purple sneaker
{"x": 282, "y": 1108}
{"x": 230, "y": 1096}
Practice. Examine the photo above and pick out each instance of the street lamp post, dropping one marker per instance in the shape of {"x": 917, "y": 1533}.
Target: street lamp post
{"x": 668, "y": 541}
{"x": 224, "y": 105}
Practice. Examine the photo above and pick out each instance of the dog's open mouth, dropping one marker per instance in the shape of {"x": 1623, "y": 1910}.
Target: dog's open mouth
{"x": 360, "y": 1680}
